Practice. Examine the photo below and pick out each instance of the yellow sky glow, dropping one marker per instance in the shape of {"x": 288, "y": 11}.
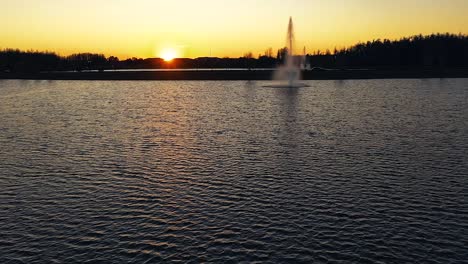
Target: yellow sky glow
{"x": 146, "y": 28}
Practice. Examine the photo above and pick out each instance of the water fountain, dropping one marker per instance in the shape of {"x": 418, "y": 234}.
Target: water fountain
{"x": 290, "y": 71}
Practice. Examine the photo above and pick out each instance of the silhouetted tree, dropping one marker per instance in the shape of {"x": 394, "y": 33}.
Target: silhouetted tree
{"x": 281, "y": 55}
{"x": 113, "y": 62}
{"x": 268, "y": 53}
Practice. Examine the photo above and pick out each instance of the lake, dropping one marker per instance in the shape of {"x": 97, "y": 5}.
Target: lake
{"x": 368, "y": 171}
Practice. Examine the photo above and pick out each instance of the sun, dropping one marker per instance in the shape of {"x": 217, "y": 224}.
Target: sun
{"x": 168, "y": 54}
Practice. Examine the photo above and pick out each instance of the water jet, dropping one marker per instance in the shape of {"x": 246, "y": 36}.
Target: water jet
{"x": 290, "y": 72}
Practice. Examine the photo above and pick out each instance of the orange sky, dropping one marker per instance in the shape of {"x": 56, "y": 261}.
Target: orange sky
{"x": 144, "y": 28}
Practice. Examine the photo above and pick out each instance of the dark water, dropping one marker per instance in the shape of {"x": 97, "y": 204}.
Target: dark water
{"x": 147, "y": 172}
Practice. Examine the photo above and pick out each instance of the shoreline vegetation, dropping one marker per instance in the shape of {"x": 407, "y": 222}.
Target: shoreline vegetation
{"x": 431, "y": 56}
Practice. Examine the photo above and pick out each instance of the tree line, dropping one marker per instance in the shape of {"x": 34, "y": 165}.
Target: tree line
{"x": 436, "y": 50}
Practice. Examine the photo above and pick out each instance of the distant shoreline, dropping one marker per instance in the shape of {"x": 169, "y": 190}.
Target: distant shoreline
{"x": 239, "y": 74}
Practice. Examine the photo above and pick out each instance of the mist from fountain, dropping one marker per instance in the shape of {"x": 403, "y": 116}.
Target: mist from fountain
{"x": 290, "y": 71}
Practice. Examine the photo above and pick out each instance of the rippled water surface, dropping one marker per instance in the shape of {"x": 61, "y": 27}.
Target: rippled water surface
{"x": 147, "y": 172}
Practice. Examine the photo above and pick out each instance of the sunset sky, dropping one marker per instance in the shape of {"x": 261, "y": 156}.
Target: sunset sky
{"x": 193, "y": 28}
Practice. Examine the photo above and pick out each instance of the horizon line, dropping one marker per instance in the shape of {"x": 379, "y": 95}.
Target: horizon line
{"x": 47, "y": 51}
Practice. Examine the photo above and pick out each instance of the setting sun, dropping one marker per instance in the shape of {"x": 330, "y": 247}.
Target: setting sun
{"x": 168, "y": 54}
